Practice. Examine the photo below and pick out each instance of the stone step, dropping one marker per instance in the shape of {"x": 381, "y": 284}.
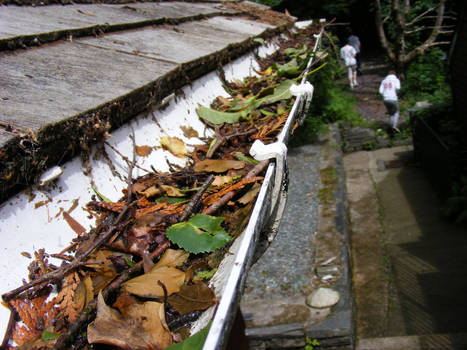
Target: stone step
{"x": 452, "y": 341}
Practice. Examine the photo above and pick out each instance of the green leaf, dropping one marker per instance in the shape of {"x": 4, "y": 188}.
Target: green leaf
{"x": 267, "y": 113}
{"x": 218, "y": 117}
{"x": 281, "y": 92}
{"x": 289, "y": 69}
{"x": 129, "y": 262}
{"x": 171, "y": 200}
{"x": 202, "y": 233}
{"x": 206, "y": 274}
{"x": 46, "y": 336}
{"x": 259, "y": 41}
{"x": 100, "y": 195}
{"x": 241, "y": 156}
{"x": 195, "y": 342}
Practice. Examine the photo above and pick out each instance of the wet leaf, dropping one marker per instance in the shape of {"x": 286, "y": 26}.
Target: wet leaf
{"x": 192, "y": 298}
{"x": 202, "y": 233}
{"x": 143, "y": 151}
{"x": 142, "y": 327}
{"x": 218, "y": 117}
{"x": 174, "y": 145}
{"x": 195, "y": 342}
{"x": 218, "y": 165}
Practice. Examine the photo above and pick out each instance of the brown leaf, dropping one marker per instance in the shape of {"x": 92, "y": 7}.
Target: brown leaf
{"x": 250, "y": 195}
{"x": 171, "y": 191}
{"x": 221, "y": 180}
{"x": 75, "y": 225}
{"x": 218, "y": 165}
{"x": 174, "y": 145}
{"x": 71, "y": 299}
{"x": 141, "y": 327}
{"x": 150, "y": 192}
{"x": 192, "y": 297}
{"x": 143, "y": 151}
{"x": 147, "y": 285}
{"x": 189, "y": 132}
{"x": 173, "y": 258}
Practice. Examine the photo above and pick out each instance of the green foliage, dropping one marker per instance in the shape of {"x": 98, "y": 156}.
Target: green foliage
{"x": 202, "y": 233}
{"x": 427, "y": 73}
{"x": 330, "y": 104}
{"x": 311, "y": 344}
{"x": 195, "y": 342}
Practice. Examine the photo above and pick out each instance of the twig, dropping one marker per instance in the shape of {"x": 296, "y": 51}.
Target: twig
{"x": 190, "y": 207}
{"x": 228, "y": 196}
{"x": 59, "y": 274}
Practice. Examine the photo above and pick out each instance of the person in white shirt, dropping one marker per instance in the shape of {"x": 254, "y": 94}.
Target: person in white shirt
{"x": 389, "y": 88}
{"x": 348, "y": 54}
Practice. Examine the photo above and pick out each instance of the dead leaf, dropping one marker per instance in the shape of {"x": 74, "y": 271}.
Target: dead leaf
{"x": 173, "y": 258}
{"x": 171, "y": 191}
{"x": 218, "y": 165}
{"x": 221, "y": 180}
{"x": 71, "y": 299}
{"x": 150, "y": 192}
{"x": 192, "y": 297}
{"x": 75, "y": 225}
{"x": 143, "y": 151}
{"x": 141, "y": 327}
{"x": 174, "y": 145}
{"x": 189, "y": 132}
{"x": 147, "y": 285}
{"x": 250, "y": 195}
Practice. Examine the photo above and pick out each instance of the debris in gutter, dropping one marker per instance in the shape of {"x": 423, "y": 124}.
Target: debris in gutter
{"x": 146, "y": 249}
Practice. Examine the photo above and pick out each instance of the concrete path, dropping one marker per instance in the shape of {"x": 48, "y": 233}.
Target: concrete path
{"x": 57, "y": 98}
{"x": 409, "y": 266}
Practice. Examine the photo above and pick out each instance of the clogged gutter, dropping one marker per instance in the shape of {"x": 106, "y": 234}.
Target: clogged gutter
{"x": 184, "y": 220}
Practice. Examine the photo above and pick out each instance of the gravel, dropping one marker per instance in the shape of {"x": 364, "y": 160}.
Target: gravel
{"x": 285, "y": 269}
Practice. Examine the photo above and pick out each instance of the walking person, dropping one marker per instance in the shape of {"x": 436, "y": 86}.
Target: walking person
{"x": 389, "y": 88}
{"x": 348, "y": 54}
{"x": 355, "y": 42}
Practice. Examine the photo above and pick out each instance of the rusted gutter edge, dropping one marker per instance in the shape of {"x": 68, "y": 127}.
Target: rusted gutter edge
{"x": 24, "y": 158}
{"x": 25, "y": 41}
